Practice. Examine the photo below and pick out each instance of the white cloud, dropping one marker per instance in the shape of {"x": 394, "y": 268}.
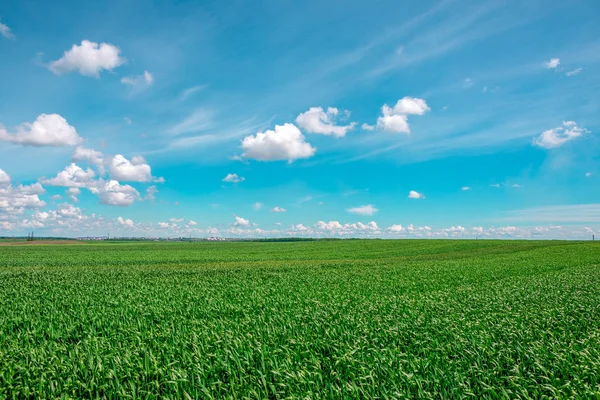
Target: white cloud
{"x": 396, "y": 119}
{"x": 113, "y": 193}
{"x": 135, "y": 170}
{"x": 465, "y": 188}
{"x": 515, "y": 185}
{"x": 556, "y": 137}
{"x": 192, "y": 223}
{"x": 151, "y": 193}
{"x": 91, "y": 157}
{"x": 176, "y": 220}
{"x": 316, "y": 120}
{"x": 396, "y": 228}
{"x": 5, "y": 31}
{"x": 138, "y": 83}
{"x": 574, "y": 72}
{"x": 72, "y": 176}
{"x": 368, "y": 209}
{"x": 336, "y": 228}
{"x": 467, "y": 83}
{"x": 257, "y": 206}
{"x": 46, "y": 130}
{"x": 496, "y": 185}
{"x": 4, "y": 178}
{"x": 89, "y": 59}
{"x": 146, "y": 79}
{"x": 73, "y": 193}
{"x": 367, "y": 127}
{"x": 278, "y": 210}
{"x": 56, "y": 197}
{"x": 415, "y": 195}
{"x": 233, "y": 178}
{"x": 553, "y": 63}
{"x": 125, "y": 222}
{"x": 14, "y": 200}
{"x": 286, "y": 142}
{"x": 391, "y": 122}
{"x": 411, "y": 106}
{"x": 588, "y": 174}
{"x": 239, "y": 221}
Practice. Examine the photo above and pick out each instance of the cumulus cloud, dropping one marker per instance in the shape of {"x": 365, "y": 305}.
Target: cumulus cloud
{"x": 278, "y": 210}
{"x": 89, "y": 156}
{"x": 368, "y": 209}
{"x": 14, "y": 200}
{"x": 553, "y": 63}
{"x": 558, "y": 136}
{"x": 89, "y": 59}
{"x": 286, "y": 142}
{"x": 396, "y": 228}
{"x": 73, "y": 194}
{"x": 465, "y": 188}
{"x": 336, "y": 228}
{"x": 413, "y": 194}
{"x": 136, "y": 170}
{"x": 574, "y": 72}
{"x": 411, "y": 106}
{"x": 125, "y": 222}
{"x": 467, "y": 83}
{"x": 46, "y": 130}
{"x": 239, "y": 221}
{"x": 4, "y": 178}
{"x": 367, "y": 127}
{"x": 5, "y": 31}
{"x": 72, "y": 176}
{"x": 113, "y": 193}
{"x": 396, "y": 119}
{"x": 317, "y": 120}
{"x": 151, "y": 193}
{"x": 233, "y": 178}
{"x": 257, "y": 206}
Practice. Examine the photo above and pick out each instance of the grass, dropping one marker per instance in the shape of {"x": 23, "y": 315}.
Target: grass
{"x": 343, "y": 319}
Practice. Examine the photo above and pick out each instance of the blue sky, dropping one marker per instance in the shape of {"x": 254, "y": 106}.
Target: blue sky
{"x": 263, "y": 118}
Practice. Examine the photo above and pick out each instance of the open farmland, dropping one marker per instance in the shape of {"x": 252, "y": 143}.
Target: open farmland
{"x": 331, "y": 319}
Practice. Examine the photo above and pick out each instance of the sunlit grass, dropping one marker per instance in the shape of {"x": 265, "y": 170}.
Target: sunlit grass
{"x": 344, "y": 319}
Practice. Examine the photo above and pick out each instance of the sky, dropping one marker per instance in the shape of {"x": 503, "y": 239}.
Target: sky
{"x": 387, "y": 119}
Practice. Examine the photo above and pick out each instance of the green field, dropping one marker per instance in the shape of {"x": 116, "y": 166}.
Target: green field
{"x": 335, "y": 319}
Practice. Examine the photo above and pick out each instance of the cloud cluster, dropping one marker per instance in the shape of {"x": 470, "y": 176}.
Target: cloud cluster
{"x": 558, "y": 136}
{"x": 14, "y": 200}
{"x": 396, "y": 119}
{"x": 316, "y": 120}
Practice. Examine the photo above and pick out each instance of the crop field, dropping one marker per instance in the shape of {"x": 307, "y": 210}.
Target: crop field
{"x": 328, "y": 319}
